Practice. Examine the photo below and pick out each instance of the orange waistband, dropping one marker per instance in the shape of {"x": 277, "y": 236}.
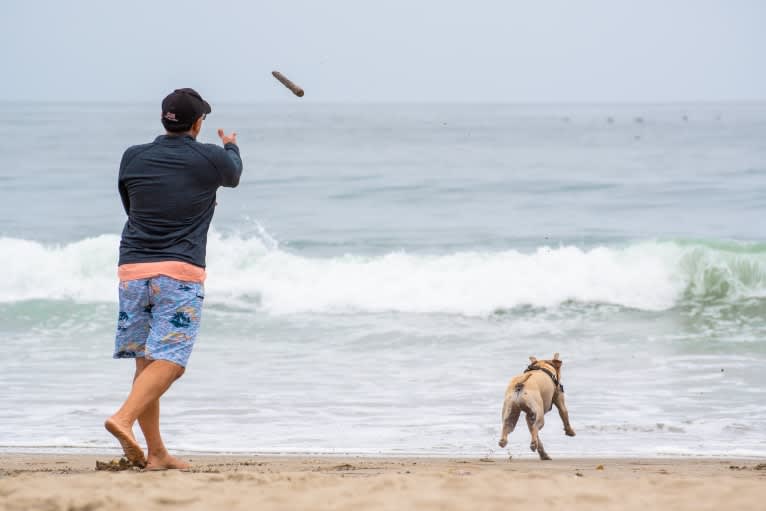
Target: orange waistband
{"x": 174, "y": 269}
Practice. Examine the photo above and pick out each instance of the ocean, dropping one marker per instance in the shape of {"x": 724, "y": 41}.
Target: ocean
{"x": 382, "y": 271}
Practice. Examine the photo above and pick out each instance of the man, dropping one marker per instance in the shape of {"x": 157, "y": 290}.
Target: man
{"x": 168, "y": 190}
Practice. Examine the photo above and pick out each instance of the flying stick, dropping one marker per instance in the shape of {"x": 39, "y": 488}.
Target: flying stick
{"x": 287, "y": 83}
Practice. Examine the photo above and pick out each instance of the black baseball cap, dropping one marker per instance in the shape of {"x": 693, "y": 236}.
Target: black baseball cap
{"x": 181, "y": 108}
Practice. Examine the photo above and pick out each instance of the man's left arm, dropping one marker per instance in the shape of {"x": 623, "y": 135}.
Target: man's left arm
{"x": 122, "y": 188}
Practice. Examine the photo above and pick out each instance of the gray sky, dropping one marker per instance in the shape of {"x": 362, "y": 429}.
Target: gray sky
{"x": 390, "y": 50}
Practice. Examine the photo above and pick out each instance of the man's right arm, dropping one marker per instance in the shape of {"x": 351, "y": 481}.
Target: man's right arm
{"x": 230, "y": 165}
{"x": 231, "y": 168}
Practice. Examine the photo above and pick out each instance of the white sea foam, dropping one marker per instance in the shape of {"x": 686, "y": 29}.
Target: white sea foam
{"x": 255, "y": 270}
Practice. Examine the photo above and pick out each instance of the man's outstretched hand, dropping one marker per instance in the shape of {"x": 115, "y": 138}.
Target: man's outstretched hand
{"x": 226, "y": 139}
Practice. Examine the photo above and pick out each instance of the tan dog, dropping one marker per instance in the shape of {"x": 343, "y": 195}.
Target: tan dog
{"x": 534, "y": 392}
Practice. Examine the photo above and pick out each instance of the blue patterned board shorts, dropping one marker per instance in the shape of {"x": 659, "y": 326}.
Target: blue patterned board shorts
{"x": 159, "y": 319}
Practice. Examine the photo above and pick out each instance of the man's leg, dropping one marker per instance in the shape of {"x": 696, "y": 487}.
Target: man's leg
{"x": 158, "y": 457}
{"x": 175, "y": 310}
{"x": 151, "y": 382}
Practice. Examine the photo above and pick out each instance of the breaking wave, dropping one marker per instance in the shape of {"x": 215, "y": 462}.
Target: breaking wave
{"x": 255, "y": 272}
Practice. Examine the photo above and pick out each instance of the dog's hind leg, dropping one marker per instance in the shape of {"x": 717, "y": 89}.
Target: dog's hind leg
{"x": 531, "y": 425}
{"x": 535, "y": 422}
{"x": 541, "y": 450}
{"x": 514, "y": 417}
{"x": 511, "y": 412}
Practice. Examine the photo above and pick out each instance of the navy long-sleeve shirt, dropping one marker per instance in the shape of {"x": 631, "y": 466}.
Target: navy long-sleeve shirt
{"x": 168, "y": 190}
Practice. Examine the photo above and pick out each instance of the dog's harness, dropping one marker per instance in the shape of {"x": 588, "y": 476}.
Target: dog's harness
{"x": 533, "y": 367}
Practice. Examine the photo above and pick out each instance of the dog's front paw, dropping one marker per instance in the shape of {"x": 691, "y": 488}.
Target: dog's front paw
{"x": 569, "y": 432}
{"x": 503, "y": 442}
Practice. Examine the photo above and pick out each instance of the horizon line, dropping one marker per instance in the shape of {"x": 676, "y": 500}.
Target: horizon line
{"x": 283, "y": 101}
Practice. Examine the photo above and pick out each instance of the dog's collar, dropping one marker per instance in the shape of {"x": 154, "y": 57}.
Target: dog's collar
{"x": 535, "y": 367}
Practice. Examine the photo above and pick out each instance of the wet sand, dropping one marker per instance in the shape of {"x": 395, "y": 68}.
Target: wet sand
{"x": 71, "y": 483}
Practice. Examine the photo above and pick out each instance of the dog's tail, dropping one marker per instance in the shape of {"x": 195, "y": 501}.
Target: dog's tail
{"x": 520, "y": 385}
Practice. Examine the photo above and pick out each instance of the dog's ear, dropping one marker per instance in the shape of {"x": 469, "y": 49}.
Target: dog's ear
{"x": 556, "y": 356}
{"x": 556, "y": 363}
{"x": 533, "y": 359}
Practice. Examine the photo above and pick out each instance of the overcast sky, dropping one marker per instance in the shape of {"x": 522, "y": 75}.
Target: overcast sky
{"x": 387, "y": 50}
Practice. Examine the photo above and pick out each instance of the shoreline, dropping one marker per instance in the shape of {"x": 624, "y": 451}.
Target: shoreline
{"x": 498, "y": 455}
{"x": 70, "y": 481}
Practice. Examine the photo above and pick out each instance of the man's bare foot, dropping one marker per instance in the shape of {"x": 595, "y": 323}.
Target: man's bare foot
{"x": 124, "y": 434}
{"x": 165, "y": 461}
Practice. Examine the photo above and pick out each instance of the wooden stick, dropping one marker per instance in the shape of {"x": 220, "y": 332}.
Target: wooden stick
{"x": 287, "y": 83}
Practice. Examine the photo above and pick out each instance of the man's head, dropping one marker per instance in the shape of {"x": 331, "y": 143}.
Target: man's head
{"x": 183, "y": 111}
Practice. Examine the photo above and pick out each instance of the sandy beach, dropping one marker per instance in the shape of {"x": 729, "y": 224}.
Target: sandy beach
{"x": 71, "y": 483}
